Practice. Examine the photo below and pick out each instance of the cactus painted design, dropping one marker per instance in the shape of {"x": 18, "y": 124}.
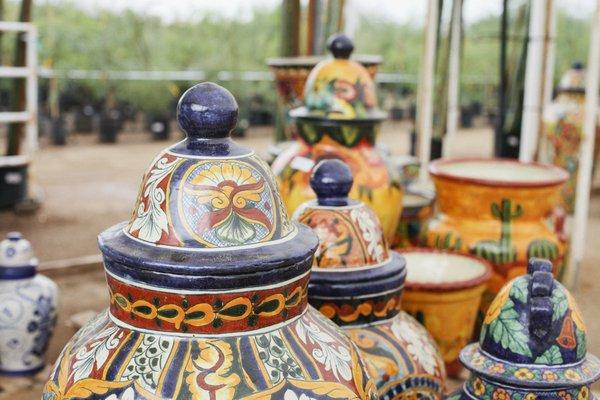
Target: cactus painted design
{"x": 543, "y": 248}
{"x": 500, "y": 251}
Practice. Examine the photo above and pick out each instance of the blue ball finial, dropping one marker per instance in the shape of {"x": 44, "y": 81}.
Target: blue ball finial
{"x": 331, "y": 180}
{"x": 207, "y": 111}
{"x": 340, "y": 46}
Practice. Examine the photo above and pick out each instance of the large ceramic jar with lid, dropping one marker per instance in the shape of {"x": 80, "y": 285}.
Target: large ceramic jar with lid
{"x": 28, "y": 303}
{"x": 502, "y": 210}
{"x": 340, "y": 119}
{"x": 532, "y": 345}
{"x": 563, "y": 130}
{"x": 357, "y": 283}
{"x": 208, "y": 285}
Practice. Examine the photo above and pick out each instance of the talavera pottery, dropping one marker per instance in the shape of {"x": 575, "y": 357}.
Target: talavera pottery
{"x": 28, "y": 303}
{"x": 357, "y": 283}
{"x": 532, "y": 346}
{"x": 417, "y": 208}
{"x": 563, "y": 130}
{"x": 208, "y": 285}
{"x": 501, "y": 210}
{"x": 340, "y": 119}
{"x": 443, "y": 292}
{"x": 290, "y": 77}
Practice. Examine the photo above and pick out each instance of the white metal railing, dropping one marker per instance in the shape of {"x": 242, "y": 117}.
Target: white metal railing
{"x": 30, "y": 73}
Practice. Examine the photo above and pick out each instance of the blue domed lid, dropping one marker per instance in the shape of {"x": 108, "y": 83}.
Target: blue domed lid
{"x": 533, "y": 325}
{"x": 207, "y": 205}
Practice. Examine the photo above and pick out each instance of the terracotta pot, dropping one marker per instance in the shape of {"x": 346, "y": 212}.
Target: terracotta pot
{"x": 290, "y": 75}
{"x": 417, "y": 208}
{"x": 502, "y": 210}
{"x": 562, "y": 129}
{"x": 357, "y": 283}
{"x": 340, "y": 119}
{"x": 532, "y": 345}
{"x": 443, "y": 292}
{"x": 208, "y": 285}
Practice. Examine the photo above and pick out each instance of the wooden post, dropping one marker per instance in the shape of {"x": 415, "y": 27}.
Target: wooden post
{"x": 530, "y": 126}
{"x": 290, "y": 28}
{"x": 548, "y": 72}
{"x": 453, "y": 78}
{"x": 18, "y": 96}
{"x": 425, "y": 95}
{"x": 586, "y": 160}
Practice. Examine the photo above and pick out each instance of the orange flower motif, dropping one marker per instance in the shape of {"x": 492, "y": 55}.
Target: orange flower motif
{"x": 530, "y": 396}
{"x": 478, "y": 387}
{"x": 584, "y": 393}
{"x": 524, "y": 374}
{"x": 564, "y": 395}
{"x": 572, "y": 375}
{"x": 497, "y": 368}
{"x": 477, "y": 359}
{"x": 549, "y": 376}
{"x": 497, "y": 304}
{"x": 500, "y": 394}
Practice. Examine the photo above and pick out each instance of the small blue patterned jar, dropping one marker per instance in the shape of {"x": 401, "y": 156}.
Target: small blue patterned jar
{"x": 28, "y": 303}
{"x": 532, "y": 344}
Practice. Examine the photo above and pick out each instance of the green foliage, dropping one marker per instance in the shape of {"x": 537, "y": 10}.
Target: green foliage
{"x": 551, "y": 356}
{"x": 519, "y": 290}
{"x": 508, "y": 331}
{"x": 559, "y": 304}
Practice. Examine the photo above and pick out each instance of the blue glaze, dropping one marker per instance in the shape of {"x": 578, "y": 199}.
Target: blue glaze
{"x": 331, "y": 180}
{"x": 24, "y": 272}
{"x": 340, "y": 46}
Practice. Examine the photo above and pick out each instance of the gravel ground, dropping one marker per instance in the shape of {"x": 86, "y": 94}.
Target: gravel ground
{"x": 87, "y": 187}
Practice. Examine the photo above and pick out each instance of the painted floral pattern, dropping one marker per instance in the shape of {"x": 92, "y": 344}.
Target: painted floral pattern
{"x": 418, "y": 345}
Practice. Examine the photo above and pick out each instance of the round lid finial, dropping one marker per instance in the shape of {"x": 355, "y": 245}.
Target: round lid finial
{"x": 331, "y": 180}
{"x": 340, "y": 46}
{"x": 207, "y": 111}
{"x": 577, "y": 65}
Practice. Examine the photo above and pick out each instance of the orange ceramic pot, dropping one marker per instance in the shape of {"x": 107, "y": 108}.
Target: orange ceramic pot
{"x": 340, "y": 119}
{"x": 502, "y": 210}
{"x": 443, "y": 292}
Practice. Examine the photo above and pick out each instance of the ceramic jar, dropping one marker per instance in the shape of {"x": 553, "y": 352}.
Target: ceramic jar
{"x": 443, "y": 292}
{"x": 340, "y": 119}
{"x": 28, "y": 303}
{"x": 290, "y": 75}
{"x": 208, "y": 285}
{"x": 357, "y": 283}
{"x": 532, "y": 346}
{"x": 502, "y": 210}
{"x": 417, "y": 208}
{"x": 563, "y": 130}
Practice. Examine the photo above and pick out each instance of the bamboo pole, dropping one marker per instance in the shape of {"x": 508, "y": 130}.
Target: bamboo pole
{"x": 453, "y": 78}
{"x": 290, "y": 28}
{"x": 530, "y": 125}
{"x": 586, "y": 160}
{"x": 425, "y": 95}
{"x": 548, "y": 74}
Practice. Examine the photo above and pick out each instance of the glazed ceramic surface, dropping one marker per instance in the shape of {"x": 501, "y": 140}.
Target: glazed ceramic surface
{"x": 417, "y": 208}
{"x": 208, "y": 285}
{"x": 563, "y": 130}
{"x": 357, "y": 283}
{"x": 340, "y": 119}
{"x": 443, "y": 292}
{"x": 28, "y": 303}
{"x": 290, "y": 78}
{"x": 501, "y": 210}
{"x": 533, "y": 344}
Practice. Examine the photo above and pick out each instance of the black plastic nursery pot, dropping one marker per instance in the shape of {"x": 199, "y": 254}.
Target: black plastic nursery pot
{"x": 13, "y": 180}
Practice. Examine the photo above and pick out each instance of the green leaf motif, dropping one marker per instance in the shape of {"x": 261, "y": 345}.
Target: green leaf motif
{"x": 507, "y": 331}
{"x": 559, "y": 304}
{"x": 581, "y": 347}
{"x": 519, "y": 290}
{"x": 551, "y": 356}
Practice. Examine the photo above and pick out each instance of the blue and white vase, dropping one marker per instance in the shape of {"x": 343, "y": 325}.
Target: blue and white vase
{"x": 28, "y": 303}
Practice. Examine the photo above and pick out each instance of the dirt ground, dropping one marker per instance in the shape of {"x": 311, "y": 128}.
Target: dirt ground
{"x": 87, "y": 187}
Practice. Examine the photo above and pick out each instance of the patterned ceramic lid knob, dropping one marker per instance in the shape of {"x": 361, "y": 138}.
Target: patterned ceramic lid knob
{"x": 16, "y": 251}
{"x": 331, "y": 180}
{"x": 533, "y": 339}
{"x": 207, "y": 111}
{"x": 340, "y": 46}
{"x": 573, "y": 80}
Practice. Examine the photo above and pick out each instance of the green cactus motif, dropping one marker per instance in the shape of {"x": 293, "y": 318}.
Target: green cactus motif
{"x": 542, "y": 248}
{"x": 500, "y": 251}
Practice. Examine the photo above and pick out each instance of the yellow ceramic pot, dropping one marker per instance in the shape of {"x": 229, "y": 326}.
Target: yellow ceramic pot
{"x": 443, "y": 292}
{"x": 502, "y": 210}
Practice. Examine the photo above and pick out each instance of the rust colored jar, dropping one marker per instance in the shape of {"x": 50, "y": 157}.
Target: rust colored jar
{"x": 443, "y": 292}
{"x": 501, "y": 210}
{"x": 340, "y": 119}
{"x": 357, "y": 283}
{"x": 208, "y": 285}
{"x": 532, "y": 345}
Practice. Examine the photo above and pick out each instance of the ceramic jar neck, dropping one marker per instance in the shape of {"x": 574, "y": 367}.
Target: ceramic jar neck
{"x": 336, "y": 132}
{"x": 206, "y": 312}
